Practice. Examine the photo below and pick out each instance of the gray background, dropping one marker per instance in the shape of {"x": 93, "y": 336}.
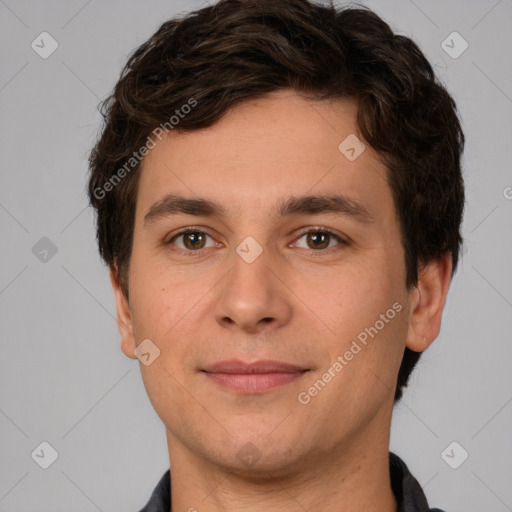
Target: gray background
{"x": 63, "y": 377}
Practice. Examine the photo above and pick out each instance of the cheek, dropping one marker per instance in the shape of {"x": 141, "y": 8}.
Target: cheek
{"x": 365, "y": 307}
{"x": 160, "y": 296}
{"x": 169, "y": 307}
{"x": 354, "y": 297}
{"x": 162, "y": 305}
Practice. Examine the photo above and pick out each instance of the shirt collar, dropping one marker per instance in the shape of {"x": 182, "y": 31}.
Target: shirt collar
{"x": 408, "y": 492}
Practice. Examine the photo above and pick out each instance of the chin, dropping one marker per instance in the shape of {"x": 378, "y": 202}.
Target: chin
{"x": 255, "y": 457}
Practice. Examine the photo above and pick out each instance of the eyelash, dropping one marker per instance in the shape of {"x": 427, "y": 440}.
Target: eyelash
{"x": 315, "y": 229}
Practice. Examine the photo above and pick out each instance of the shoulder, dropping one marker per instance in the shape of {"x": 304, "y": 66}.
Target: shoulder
{"x": 160, "y": 500}
{"x": 407, "y": 490}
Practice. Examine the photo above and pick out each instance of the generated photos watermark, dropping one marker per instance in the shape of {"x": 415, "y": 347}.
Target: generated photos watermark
{"x": 137, "y": 156}
{"x": 304, "y": 397}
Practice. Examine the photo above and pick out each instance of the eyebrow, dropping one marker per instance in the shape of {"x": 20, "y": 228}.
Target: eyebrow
{"x": 172, "y": 204}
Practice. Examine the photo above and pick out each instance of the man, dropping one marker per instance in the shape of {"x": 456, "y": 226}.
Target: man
{"x": 279, "y": 198}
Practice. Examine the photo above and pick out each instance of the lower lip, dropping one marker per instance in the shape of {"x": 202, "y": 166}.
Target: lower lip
{"x": 254, "y": 382}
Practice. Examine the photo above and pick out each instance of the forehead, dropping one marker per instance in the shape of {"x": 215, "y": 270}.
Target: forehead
{"x": 262, "y": 151}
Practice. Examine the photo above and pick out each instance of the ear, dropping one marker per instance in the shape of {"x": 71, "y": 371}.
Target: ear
{"x": 124, "y": 316}
{"x": 427, "y": 303}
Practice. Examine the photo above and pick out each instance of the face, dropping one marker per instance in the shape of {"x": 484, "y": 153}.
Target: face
{"x": 267, "y": 276}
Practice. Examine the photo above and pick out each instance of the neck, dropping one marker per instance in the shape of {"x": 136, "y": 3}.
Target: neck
{"x": 353, "y": 476}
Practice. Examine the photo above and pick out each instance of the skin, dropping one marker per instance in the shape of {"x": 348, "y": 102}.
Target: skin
{"x": 295, "y": 303}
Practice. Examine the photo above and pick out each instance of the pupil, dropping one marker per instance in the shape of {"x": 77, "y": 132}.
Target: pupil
{"x": 321, "y": 236}
{"x": 193, "y": 238}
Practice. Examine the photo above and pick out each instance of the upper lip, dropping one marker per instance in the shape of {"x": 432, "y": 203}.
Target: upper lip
{"x": 237, "y": 366}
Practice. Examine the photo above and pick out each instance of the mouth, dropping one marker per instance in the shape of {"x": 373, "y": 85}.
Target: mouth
{"x": 257, "y": 377}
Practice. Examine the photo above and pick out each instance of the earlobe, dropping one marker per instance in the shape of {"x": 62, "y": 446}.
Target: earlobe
{"x": 428, "y": 303}
{"x": 124, "y": 317}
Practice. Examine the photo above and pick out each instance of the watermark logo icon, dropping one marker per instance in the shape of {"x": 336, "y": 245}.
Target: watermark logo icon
{"x": 249, "y": 455}
{"x": 44, "y": 455}
{"x": 249, "y": 249}
{"x": 454, "y": 45}
{"x": 146, "y": 352}
{"x": 351, "y": 147}
{"x": 454, "y": 455}
{"x": 44, "y": 45}
{"x": 44, "y": 250}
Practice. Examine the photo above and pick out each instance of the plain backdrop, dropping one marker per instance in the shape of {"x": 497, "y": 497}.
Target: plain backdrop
{"x": 63, "y": 377}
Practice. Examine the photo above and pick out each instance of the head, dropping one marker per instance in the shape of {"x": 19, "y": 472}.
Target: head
{"x": 246, "y": 102}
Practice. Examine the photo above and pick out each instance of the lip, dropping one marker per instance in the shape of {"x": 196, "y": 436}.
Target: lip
{"x": 263, "y": 366}
{"x": 256, "y": 377}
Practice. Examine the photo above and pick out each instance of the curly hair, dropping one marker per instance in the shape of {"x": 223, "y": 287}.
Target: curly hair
{"x": 222, "y": 55}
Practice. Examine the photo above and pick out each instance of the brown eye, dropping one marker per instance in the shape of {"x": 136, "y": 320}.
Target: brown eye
{"x": 194, "y": 240}
{"x": 319, "y": 239}
{"x": 190, "y": 240}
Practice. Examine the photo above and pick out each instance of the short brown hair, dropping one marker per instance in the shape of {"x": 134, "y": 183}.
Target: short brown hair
{"x": 236, "y": 50}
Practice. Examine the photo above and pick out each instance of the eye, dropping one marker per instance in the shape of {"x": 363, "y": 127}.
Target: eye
{"x": 320, "y": 238}
{"x": 191, "y": 240}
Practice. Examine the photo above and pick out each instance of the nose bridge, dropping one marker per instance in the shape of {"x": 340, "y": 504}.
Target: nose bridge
{"x": 252, "y": 296}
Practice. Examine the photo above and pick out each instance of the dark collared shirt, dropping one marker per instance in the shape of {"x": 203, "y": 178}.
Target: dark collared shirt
{"x": 408, "y": 492}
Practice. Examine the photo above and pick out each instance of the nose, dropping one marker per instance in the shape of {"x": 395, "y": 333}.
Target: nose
{"x": 253, "y": 296}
